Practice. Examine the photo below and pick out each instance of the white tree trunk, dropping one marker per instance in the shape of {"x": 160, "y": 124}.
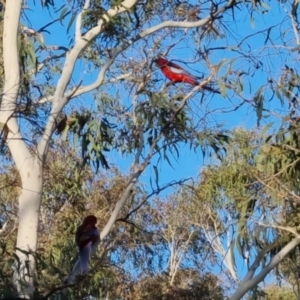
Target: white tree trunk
{"x": 29, "y": 165}
{"x": 29, "y": 208}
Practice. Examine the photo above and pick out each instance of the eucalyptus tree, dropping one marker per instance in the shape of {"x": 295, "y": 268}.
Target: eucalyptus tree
{"x": 247, "y": 207}
{"x": 39, "y": 83}
{"x": 100, "y": 91}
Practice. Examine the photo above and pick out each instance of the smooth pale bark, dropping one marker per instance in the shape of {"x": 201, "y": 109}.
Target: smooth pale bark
{"x": 28, "y": 164}
{"x": 29, "y": 209}
{"x": 249, "y": 283}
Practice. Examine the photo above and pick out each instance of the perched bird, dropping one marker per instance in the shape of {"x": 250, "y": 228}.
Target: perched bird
{"x": 175, "y": 72}
{"x": 85, "y": 237}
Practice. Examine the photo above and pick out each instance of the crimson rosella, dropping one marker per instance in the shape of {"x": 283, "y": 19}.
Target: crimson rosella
{"x": 85, "y": 237}
{"x": 177, "y": 74}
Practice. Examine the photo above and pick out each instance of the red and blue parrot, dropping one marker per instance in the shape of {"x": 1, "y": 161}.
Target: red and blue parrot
{"x": 85, "y": 237}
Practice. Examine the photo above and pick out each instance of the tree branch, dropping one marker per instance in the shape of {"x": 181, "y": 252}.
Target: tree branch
{"x": 118, "y": 50}
{"x": 154, "y": 192}
{"x": 79, "y": 19}
{"x": 257, "y": 261}
{"x": 15, "y": 141}
{"x": 59, "y": 99}
{"x": 149, "y": 31}
{"x": 248, "y": 284}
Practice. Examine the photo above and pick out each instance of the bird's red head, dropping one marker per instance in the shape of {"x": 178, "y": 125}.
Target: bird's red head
{"x": 160, "y": 61}
{"x": 91, "y": 219}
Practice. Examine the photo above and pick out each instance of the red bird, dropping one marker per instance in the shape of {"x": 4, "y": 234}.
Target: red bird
{"x": 85, "y": 237}
{"x": 174, "y": 72}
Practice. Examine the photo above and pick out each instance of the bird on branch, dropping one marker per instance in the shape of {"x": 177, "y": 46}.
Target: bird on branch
{"x": 85, "y": 237}
{"x": 177, "y": 74}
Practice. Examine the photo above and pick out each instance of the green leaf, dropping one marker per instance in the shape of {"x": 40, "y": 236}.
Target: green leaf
{"x": 222, "y": 87}
{"x": 231, "y": 252}
{"x": 156, "y": 175}
{"x": 39, "y": 40}
{"x": 62, "y": 14}
{"x": 167, "y": 159}
{"x": 265, "y": 130}
{"x": 259, "y": 101}
{"x": 220, "y": 65}
{"x": 31, "y": 52}
{"x": 84, "y": 145}
{"x": 57, "y": 10}
{"x": 71, "y": 22}
{"x": 75, "y": 139}
{"x": 103, "y": 161}
{"x": 65, "y": 133}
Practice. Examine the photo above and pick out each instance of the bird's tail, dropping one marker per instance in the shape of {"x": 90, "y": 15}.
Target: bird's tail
{"x": 84, "y": 256}
{"x": 76, "y": 270}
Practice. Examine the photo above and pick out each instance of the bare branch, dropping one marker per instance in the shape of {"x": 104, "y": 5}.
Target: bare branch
{"x": 248, "y": 284}
{"x": 284, "y": 228}
{"x": 79, "y": 19}
{"x": 43, "y": 64}
{"x": 155, "y": 192}
{"x": 54, "y": 21}
{"x": 257, "y": 261}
